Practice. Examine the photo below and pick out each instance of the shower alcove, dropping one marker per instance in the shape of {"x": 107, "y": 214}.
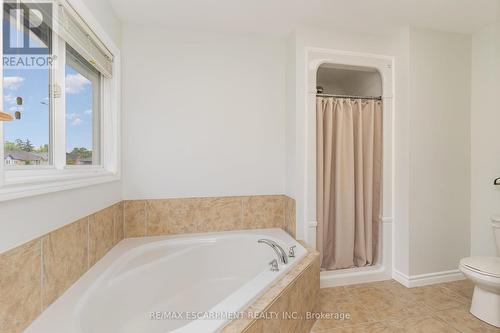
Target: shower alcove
{"x": 340, "y": 73}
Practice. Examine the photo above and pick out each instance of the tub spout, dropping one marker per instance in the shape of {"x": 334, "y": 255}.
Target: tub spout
{"x": 283, "y": 258}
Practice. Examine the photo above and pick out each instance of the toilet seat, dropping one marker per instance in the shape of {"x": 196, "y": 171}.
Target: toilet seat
{"x": 489, "y": 266}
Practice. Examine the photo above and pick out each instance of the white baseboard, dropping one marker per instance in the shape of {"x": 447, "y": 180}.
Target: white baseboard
{"x": 427, "y": 279}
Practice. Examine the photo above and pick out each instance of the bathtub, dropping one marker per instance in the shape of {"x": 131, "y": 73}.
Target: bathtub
{"x": 181, "y": 283}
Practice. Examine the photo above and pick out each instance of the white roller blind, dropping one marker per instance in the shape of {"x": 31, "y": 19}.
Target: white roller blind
{"x": 78, "y": 34}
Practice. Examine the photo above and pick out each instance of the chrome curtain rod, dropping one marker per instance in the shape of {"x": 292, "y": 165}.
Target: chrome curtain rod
{"x": 378, "y": 98}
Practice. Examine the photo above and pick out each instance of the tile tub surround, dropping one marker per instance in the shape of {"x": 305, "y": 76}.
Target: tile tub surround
{"x": 297, "y": 292}
{"x": 35, "y": 274}
{"x": 189, "y": 215}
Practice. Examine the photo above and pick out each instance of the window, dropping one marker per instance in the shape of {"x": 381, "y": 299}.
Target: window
{"x": 26, "y": 94}
{"x": 66, "y": 130}
{"x": 82, "y": 90}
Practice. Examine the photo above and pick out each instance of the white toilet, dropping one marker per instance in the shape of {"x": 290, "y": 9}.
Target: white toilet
{"x": 484, "y": 272}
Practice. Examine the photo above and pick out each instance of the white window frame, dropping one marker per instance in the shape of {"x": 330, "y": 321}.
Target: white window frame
{"x": 96, "y": 121}
{"x": 28, "y": 181}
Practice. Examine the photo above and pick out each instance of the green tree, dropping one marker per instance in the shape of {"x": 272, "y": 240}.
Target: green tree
{"x": 78, "y": 154}
{"x": 43, "y": 148}
{"x": 28, "y": 146}
{"x": 11, "y": 146}
{"x": 25, "y": 145}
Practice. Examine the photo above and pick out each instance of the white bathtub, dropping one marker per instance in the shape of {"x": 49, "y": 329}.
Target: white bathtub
{"x": 142, "y": 281}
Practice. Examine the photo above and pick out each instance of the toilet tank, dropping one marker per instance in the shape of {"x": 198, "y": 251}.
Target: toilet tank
{"x": 495, "y": 221}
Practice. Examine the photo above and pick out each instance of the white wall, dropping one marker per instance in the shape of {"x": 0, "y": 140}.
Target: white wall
{"x": 485, "y": 136}
{"x": 439, "y": 150}
{"x": 24, "y": 219}
{"x": 290, "y": 117}
{"x": 203, "y": 114}
{"x": 401, "y": 222}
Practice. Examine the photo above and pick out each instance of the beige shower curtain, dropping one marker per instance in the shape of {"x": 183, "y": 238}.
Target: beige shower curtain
{"x": 349, "y": 165}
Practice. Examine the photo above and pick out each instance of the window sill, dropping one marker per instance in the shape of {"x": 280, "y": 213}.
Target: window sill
{"x": 19, "y": 184}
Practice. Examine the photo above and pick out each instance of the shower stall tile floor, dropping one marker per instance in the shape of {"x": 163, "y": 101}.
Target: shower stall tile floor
{"x": 390, "y": 307}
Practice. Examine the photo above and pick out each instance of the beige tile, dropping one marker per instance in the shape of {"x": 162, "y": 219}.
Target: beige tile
{"x": 378, "y": 285}
{"x": 393, "y": 288}
{"x": 263, "y": 212}
{"x": 256, "y": 327}
{"x": 463, "y": 321}
{"x": 329, "y": 297}
{"x": 290, "y": 213}
{"x": 344, "y": 314}
{"x": 275, "y": 311}
{"x": 118, "y": 222}
{"x": 218, "y": 214}
{"x": 170, "y": 216}
{"x": 395, "y": 308}
{"x": 305, "y": 297}
{"x": 368, "y": 294}
{"x": 426, "y": 324}
{"x": 392, "y": 309}
{"x": 135, "y": 218}
{"x": 309, "y": 288}
{"x": 463, "y": 288}
{"x": 101, "y": 234}
{"x": 437, "y": 297}
{"x": 20, "y": 286}
{"x": 65, "y": 259}
{"x": 375, "y": 327}
{"x": 281, "y": 296}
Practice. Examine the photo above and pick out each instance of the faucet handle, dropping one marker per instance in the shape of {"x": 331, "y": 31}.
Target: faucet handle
{"x": 274, "y": 265}
{"x": 291, "y": 251}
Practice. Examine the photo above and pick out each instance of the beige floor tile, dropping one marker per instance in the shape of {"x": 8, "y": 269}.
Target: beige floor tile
{"x": 464, "y": 288}
{"x": 344, "y": 314}
{"x": 465, "y": 322}
{"x": 427, "y": 324}
{"x": 394, "y": 288}
{"x": 398, "y": 309}
{"x": 438, "y": 298}
{"x": 329, "y": 297}
{"x": 376, "y": 327}
{"x": 388, "y": 306}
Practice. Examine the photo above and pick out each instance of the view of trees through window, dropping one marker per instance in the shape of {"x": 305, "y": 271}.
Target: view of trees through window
{"x": 26, "y": 92}
{"x": 26, "y": 96}
{"x": 82, "y": 105}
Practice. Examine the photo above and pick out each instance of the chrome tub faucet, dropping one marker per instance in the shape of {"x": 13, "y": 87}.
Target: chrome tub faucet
{"x": 283, "y": 258}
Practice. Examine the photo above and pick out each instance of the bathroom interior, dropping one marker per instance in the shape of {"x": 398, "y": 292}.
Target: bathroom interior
{"x": 196, "y": 166}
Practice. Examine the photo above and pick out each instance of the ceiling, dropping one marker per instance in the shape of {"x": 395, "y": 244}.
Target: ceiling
{"x": 280, "y": 17}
